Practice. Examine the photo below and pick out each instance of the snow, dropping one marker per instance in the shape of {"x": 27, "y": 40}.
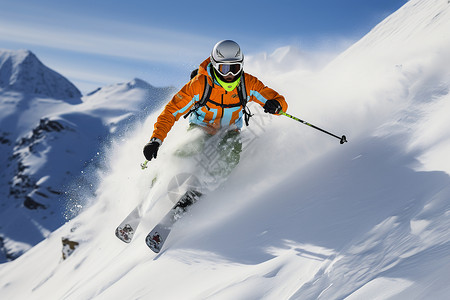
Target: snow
{"x": 384, "y": 288}
{"x": 301, "y": 217}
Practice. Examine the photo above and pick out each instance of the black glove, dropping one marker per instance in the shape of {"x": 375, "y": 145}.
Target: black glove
{"x": 272, "y": 106}
{"x": 151, "y": 148}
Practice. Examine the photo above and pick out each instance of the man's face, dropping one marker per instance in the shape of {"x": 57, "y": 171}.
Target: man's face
{"x": 229, "y": 78}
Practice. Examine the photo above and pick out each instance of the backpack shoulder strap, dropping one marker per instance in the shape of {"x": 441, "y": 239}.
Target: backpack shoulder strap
{"x": 206, "y": 92}
{"x": 205, "y": 97}
{"x": 242, "y": 93}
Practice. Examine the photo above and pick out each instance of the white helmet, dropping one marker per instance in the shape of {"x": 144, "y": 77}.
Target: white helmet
{"x": 227, "y": 57}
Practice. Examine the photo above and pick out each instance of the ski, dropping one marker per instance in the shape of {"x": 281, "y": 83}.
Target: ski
{"x": 127, "y": 228}
{"x": 129, "y": 225}
{"x": 158, "y": 235}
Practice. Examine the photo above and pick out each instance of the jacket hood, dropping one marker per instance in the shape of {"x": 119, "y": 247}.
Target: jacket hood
{"x": 203, "y": 69}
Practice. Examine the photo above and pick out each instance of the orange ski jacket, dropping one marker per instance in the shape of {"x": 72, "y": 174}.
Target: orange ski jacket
{"x": 223, "y": 108}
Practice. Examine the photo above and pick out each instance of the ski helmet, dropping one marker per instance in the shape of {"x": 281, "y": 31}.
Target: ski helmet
{"x": 227, "y": 58}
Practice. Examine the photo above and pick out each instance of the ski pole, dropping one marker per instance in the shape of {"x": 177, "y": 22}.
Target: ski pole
{"x": 144, "y": 165}
{"x": 342, "y": 139}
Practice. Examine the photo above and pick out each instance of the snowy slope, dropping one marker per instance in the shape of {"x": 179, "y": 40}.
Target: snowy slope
{"x": 301, "y": 217}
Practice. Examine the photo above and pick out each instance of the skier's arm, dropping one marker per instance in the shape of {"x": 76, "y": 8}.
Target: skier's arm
{"x": 178, "y": 106}
{"x": 261, "y": 93}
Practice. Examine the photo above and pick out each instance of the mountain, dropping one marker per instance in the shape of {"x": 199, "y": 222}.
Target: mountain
{"x": 23, "y": 71}
{"x": 301, "y": 217}
{"x": 50, "y": 138}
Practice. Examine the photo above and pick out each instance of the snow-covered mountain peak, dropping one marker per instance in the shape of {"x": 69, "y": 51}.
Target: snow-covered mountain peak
{"x": 22, "y": 71}
{"x": 123, "y": 87}
{"x": 136, "y": 94}
{"x": 137, "y": 82}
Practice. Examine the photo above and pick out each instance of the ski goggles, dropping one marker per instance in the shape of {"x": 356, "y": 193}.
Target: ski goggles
{"x": 226, "y": 68}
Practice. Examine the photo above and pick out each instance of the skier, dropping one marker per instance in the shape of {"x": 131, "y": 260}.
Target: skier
{"x": 215, "y": 100}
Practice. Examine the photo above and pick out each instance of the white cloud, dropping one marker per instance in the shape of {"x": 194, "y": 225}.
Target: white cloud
{"x": 102, "y": 37}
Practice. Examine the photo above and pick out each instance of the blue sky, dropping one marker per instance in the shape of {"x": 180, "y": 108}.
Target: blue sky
{"x": 96, "y": 43}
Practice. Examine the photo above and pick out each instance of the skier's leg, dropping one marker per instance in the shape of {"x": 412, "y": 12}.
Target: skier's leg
{"x": 228, "y": 152}
{"x": 194, "y": 145}
{"x": 230, "y": 148}
{"x": 187, "y": 154}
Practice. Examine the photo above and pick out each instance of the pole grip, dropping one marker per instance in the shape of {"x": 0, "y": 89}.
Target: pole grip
{"x": 144, "y": 165}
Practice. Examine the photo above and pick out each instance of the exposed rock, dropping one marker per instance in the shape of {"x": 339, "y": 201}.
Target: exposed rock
{"x": 68, "y": 247}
